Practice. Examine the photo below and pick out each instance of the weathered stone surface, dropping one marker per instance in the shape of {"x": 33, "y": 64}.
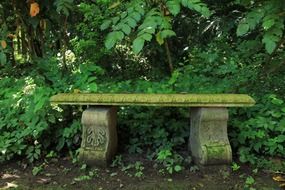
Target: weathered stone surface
{"x": 99, "y": 137}
{"x": 175, "y": 100}
{"x": 208, "y": 140}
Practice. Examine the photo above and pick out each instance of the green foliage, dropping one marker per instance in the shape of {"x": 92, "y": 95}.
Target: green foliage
{"x": 264, "y": 133}
{"x": 249, "y": 182}
{"x": 235, "y": 167}
{"x": 269, "y": 16}
{"x": 64, "y": 6}
{"x": 27, "y": 104}
{"x": 37, "y": 169}
{"x": 27, "y": 118}
{"x": 198, "y": 6}
{"x": 147, "y": 20}
{"x": 171, "y": 161}
{"x": 136, "y": 167}
{"x": 139, "y": 169}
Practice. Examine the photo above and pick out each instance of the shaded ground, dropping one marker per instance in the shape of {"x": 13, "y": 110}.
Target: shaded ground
{"x": 62, "y": 174}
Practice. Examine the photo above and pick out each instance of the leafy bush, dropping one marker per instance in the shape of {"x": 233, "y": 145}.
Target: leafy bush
{"x": 29, "y": 125}
{"x": 24, "y": 118}
{"x": 263, "y": 134}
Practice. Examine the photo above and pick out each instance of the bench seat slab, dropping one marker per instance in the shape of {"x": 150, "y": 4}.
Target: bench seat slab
{"x": 99, "y": 136}
{"x": 208, "y": 140}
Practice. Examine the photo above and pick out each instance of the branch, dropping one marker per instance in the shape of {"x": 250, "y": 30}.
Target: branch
{"x": 169, "y": 59}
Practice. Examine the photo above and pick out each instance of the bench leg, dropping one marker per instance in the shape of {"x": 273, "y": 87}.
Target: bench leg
{"x": 99, "y": 135}
{"x": 209, "y": 143}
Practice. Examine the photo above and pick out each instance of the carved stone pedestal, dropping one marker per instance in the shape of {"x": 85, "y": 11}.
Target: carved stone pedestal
{"x": 208, "y": 141}
{"x": 99, "y": 136}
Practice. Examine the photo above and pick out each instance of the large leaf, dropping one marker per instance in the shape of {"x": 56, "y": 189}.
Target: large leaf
{"x": 136, "y": 16}
{"x": 268, "y": 23}
{"x": 198, "y": 6}
{"x": 138, "y": 45}
{"x": 105, "y": 24}
{"x": 126, "y": 29}
{"x": 3, "y": 58}
{"x": 150, "y": 30}
{"x": 146, "y": 36}
{"x": 131, "y": 22}
{"x": 271, "y": 38}
{"x": 159, "y": 38}
{"x": 167, "y": 33}
{"x": 242, "y": 29}
{"x": 173, "y": 7}
{"x": 112, "y": 38}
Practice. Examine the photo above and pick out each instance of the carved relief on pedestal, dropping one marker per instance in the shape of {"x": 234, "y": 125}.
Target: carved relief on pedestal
{"x": 95, "y": 137}
{"x": 99, "y": 137}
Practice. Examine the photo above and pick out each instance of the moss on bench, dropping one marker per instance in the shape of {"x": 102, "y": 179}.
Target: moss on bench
{"x": 175, "y": 100}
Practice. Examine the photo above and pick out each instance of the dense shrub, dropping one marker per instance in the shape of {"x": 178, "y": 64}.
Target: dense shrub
{"x": 263, "y": 133}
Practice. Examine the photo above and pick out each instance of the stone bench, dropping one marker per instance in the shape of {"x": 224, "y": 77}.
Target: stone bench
{"x": 208, "y": 140}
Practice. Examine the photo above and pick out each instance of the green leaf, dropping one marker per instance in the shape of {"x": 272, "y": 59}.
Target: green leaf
{"x": 105, "y": 24}
{"x": 123, "y": 15}
{"x": 242, "y": 29}
{"x": 131, "y": 22}
{"x": 159, "y": 38}
{"x": 3, "y": 58}
{"x": 146, "y": 36}
{"x": 177, "y": 168}
{"x": 138, "y": 45}
{"x": 38, "y": 151}
{"x": 184, "y": 3}
{"x": 136, "y": 16}
{"x": 35, "y": 21}
{"x": 173, "y": 7}
{"x": 277, "y": 101}
{"x": 254, "y": 17}
{"x": 268, "y": 24}
{"x": 60, "y": 144}
{"x": 167, "y": 33}
{"x": 272, "y": 37}
{"x": 39, "y": 105}
{"x": 140, "y": 9}
{"x": 281, "y": 138}
{"x": 149, "y": 30}
{"x": 110, "y": 40}
{"x": 126, "y": 29}
{"x": 198, "y": 6}
{"x": 37, "y": 170}
{"x": 148, "y": 23}
{"x": 115, "y": 20}
{"x": 93, "y": 87}
{"x": 205, "y": 11}
{"x": 270, "y": 44}
{"x": 119, "y": 35}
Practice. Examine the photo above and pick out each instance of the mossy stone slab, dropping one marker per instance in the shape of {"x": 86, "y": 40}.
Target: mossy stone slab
{"x": 174, "y": 100}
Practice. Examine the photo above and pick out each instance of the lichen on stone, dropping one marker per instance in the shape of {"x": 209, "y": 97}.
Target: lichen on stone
{"x": 186, "y": 100}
